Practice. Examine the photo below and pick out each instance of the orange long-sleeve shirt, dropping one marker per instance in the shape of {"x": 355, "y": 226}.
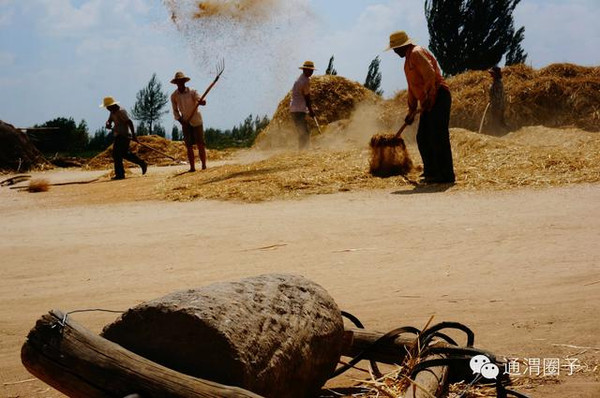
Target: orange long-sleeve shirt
{"x": 423, "y": 76}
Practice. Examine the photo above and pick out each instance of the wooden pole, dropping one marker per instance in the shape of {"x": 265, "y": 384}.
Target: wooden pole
{"x": 79, "y": 363}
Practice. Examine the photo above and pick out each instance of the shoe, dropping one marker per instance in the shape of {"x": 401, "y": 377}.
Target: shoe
{"x": 144, "y": 167}
{"x": 203, "y": 167}
{"x": 191, "y": 170}
{"x": 117, "y": 178}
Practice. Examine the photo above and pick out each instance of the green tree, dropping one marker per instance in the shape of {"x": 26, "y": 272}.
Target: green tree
{"x": 101, "y": 139}
{"x": 473, "y": 34}
{"x": 159, "y": 130}
{"x": 149, "y": 104}
{"x": 373, "y": 80}
{"x": 330, "y": 69}
{"x": 66, "y": 137}
{"x": 175, "y": 134}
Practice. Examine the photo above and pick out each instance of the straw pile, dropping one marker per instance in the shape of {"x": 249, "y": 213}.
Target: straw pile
{"x": 523, "y": 158}
{"x": 334, "y": 98}
{"x": 17, "y": 152}
{"x": 175, "y": 149}
{"x": 558, "y": 95}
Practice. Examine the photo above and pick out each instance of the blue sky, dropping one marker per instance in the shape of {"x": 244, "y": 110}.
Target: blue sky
{"x": 60, "y": 57}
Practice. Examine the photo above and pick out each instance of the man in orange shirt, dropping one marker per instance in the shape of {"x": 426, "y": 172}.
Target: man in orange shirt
{"x": 427, "y": 87}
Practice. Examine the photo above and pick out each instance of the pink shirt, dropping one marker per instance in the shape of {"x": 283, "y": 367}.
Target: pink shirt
{"x": 423, "y": 76}
{"x": 300, "y": 89}
{"x": 184, "y": 103}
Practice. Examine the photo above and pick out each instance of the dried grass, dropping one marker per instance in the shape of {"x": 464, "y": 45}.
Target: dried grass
{"x": 175, "y": 149}
{"x": 38, "y": 185}
{"x": 558, "y": 95}
{"x": 389, "y": 156}
{"x": 334, "y": 98}
{"x": 525, "y": 158}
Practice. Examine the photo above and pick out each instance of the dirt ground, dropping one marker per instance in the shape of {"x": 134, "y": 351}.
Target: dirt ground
{"x": 520, "y": 267}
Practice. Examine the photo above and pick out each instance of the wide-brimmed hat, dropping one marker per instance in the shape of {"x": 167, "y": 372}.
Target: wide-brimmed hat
{"x": 179, "y": 76}
{"x": 308, "y": 65}
{"x": 108, "y": 101}
{"x": 399, "y": 39}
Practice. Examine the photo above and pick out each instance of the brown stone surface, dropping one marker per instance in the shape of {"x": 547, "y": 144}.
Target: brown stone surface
{"x": 276, "y": 335}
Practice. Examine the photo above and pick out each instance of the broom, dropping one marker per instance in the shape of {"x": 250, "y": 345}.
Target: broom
{"x": 389, "y": 156}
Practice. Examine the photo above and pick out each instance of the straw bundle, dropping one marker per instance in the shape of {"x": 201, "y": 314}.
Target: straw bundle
{"x": 389, "y": 156}
{"x": 38, "y": 185}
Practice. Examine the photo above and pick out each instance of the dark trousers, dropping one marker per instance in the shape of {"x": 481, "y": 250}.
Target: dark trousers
{"x": 299, "y": 119}
{"x": 433, "y": 139}
{"x": 120, "y": 152}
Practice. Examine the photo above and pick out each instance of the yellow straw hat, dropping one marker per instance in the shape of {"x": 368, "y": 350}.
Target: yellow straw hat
{"x": 108, "y": 101}
{"x": 399, "y": 39}
{"x": 179, "y": 76}
{"x": 308, "y": 65}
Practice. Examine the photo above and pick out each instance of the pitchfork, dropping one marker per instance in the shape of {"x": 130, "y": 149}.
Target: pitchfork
{"x": 219, "y": 70}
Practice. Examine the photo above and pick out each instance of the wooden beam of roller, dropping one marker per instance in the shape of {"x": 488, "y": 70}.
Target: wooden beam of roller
{"x": 428, "y": 383}
{"x": 79, "y": 363}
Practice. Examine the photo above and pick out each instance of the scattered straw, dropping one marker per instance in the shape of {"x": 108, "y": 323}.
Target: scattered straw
{"x": 526, "y": 158}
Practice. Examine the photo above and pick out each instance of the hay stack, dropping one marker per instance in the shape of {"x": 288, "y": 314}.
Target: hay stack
{"x": 17, "y": 153}
{"x": 558, "y": 95}
{"x": 334, "y": 98}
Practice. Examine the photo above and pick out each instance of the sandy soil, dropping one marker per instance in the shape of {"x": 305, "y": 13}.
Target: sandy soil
{"x": 520, "y": 267}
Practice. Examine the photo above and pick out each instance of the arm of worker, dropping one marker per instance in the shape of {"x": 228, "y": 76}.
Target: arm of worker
{"x": 198, "y": 99}
{"x": 176, "y": 113}
{"x": 132, "y": 129}
{"x": 311, "y": 112}
{"x": 412, "y": 108}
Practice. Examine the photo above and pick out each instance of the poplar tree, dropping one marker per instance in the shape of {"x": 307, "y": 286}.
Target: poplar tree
{"x": 473, "y": 34}
{"x": 149, "y": 104}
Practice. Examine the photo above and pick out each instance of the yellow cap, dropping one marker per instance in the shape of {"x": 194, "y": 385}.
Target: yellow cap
{"x": 108, "y": 101}
{"x": 308, "y": 65}
{"x": 399, "y": 39}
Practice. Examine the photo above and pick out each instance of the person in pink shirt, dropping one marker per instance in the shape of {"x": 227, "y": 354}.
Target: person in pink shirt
{"x": 301, "y": 104}
{"x": 185, "y": 102}
{"x": 427, "y": 87}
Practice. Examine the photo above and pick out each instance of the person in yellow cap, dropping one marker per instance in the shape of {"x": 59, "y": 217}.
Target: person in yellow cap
{"x": 301, "y": 104}
{"x": 121, "y": 124}
{"x": 185, "y": 102}
{"x": 427, "y": 87}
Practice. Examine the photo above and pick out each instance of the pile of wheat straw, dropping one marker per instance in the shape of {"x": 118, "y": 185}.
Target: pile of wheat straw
{"x": 175, "y": 149}
{"x": 555, "y": 96}
{"x": 524, "y": 158}
{"x": 334, "y": 98}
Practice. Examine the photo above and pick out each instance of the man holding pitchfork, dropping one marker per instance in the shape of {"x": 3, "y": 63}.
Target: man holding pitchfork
{"x": 185, "y": 102}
